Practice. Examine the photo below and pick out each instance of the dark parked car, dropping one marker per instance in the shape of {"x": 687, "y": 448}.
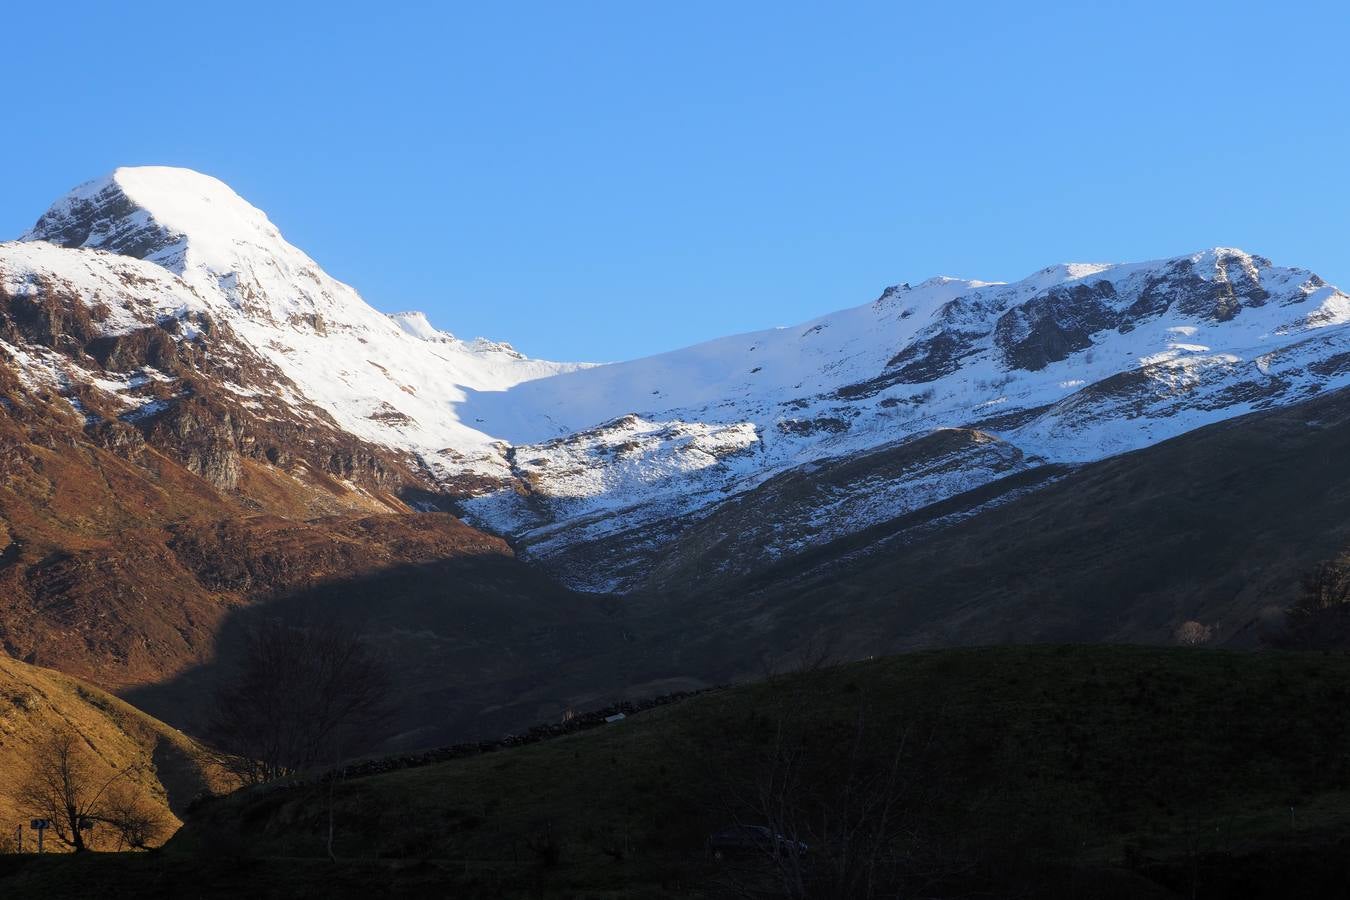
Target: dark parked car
{"x": 751, "y": 840}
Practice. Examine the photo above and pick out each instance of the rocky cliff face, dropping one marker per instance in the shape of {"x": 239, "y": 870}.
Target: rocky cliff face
{"x": 140, "y": 359}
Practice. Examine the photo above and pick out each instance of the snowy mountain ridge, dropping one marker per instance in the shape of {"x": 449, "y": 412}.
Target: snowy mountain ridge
{"x": 1074, "y": 363}
{"x": 390, "y": 380}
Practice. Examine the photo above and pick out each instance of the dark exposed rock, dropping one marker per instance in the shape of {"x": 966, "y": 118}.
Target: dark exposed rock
{"x": 1011, "y": 420}
{"x": 123, "y": 227}
{"x": 205, "y": 440}
{"x": 156, "y": 347}
{"x": 120, "y": 438}
{"x": 915, "y": 400}
{"x": 1230, "y": 288}
{"x": 807, "y": 427}
{"x": 930, "y": 359}
{"x": 53, "y": 317}
{"x": 865, "y": 389}
{"x": 1055, "y": 324}
{"x": 387, "y": 414}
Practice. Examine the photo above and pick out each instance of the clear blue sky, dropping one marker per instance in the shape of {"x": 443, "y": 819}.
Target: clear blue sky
{"x": 605, "y": 180}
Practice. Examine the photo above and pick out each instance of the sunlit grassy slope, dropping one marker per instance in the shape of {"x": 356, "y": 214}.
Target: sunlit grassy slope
{"x": 34, "y": 702}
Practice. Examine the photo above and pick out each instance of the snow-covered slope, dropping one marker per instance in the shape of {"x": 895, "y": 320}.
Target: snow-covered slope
{"x": 389, "y": 380}
{"x": 1074, "y": 363}
{"x": 949, "y": 346}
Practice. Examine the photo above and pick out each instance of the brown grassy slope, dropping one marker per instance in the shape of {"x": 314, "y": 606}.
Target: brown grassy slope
{"x": 122, "y": 569}
{"x": 35, "y": 702}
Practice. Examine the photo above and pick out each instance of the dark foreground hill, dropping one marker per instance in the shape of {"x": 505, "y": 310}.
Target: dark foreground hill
{"x": 1035, "y": 771}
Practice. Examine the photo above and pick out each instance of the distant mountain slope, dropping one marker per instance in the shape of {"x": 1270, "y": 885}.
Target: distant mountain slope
{"x": 1073, "y": 364}
{"x": 1218, "y": 525}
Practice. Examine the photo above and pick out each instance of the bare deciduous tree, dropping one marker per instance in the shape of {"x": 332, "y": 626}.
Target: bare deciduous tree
{"x": 305, "y": 695}
{"x": 815, "y": 651}
{"x": 1320, "y": 614}
{"x": 138, "y": 823}
{"x": 74, "y": 790}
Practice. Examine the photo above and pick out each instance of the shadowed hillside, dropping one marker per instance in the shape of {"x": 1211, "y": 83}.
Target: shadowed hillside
{"x": 1218, "y": 525}
{"x": 476, "y": 644}
{"x": 1045, "y": 771}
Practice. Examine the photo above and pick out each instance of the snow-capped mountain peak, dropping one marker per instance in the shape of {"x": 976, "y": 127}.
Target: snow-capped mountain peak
{"x": 198, "y": 228}
{"x": 394, "y": 380}
{"x": 1075, "y": 362}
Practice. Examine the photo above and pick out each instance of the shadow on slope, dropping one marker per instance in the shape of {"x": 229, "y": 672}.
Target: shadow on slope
{"x": 477, "y": 645}
{"x": 1035, "y": 771}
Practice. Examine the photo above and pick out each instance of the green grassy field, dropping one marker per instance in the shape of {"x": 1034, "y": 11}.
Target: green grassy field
{"x": 1041, "y": 771}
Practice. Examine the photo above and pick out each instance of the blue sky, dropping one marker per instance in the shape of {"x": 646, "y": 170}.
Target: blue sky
{"x": 606, "y": 180}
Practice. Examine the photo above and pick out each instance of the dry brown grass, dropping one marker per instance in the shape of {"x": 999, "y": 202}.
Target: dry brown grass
{"x": 35, "y": 703}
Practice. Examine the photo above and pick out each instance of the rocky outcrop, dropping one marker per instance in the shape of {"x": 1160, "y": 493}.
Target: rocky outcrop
{"x": 1217, "y": 294}
{"x": 205, "y": 440}
{"x": 1050, "y": 327}
{"x": 106, "y": 212}
{"x": 929, "y": 359}
{"x": 52, "y": 316}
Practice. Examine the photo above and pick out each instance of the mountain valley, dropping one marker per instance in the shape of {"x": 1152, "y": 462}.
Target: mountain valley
{"x": 202, "y": 430}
